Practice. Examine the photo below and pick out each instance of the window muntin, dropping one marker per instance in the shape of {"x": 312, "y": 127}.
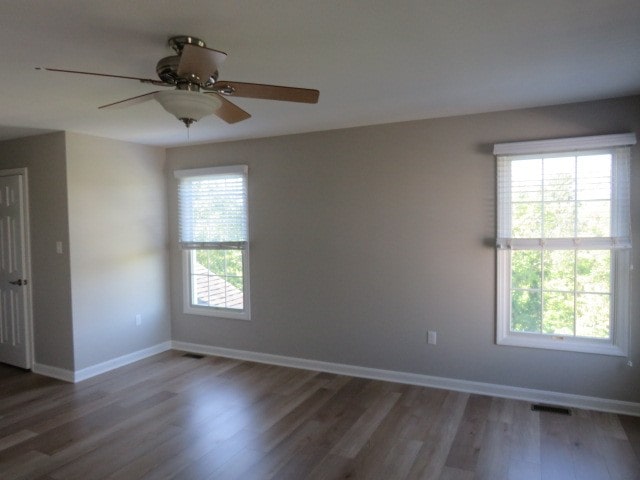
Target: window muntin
{"x": 563, "y": 258}
{"x": 213, "y": 233}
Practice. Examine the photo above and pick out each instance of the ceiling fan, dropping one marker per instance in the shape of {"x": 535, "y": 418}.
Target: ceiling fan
{"x": 197, "y": 92}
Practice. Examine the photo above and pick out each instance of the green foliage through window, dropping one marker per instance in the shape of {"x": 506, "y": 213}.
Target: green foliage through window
{"x": 561, "y": 292}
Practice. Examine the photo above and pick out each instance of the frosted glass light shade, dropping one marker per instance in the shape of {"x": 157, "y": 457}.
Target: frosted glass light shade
{"x": 184, "y": 104}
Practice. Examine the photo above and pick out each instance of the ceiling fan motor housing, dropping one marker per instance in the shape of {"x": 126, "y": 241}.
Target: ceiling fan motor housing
{"x": 167, "y": 69}
{"x": 178, "y": 42}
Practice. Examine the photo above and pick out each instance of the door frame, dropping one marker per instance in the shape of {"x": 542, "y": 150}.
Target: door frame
{"x": 26, "y": 228}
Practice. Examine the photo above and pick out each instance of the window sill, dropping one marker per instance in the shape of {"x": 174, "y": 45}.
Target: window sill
{"x": 217, "y": 312}
{"x": 560, "y": 344}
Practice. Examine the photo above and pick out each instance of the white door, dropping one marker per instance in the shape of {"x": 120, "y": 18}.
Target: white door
{"x": 15, "y": 338}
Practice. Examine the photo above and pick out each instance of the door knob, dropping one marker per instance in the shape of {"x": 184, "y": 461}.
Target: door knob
{"x": 19, "y": 282}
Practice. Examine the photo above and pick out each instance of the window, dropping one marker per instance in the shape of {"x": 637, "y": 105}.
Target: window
{"x": 213, "y": 234}
{"x": 563, "y": 245}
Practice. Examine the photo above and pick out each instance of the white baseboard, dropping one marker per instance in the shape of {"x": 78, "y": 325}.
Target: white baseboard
{"x": 495, "y": 390}
{"x": 53, "y": 372}
{"x": 505, "y": 391}
{"x": 118, "y": 362}
{"x": 93, "y": 370}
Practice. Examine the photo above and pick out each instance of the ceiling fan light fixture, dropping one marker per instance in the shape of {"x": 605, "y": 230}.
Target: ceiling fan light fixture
{"x": 188, "y": 106}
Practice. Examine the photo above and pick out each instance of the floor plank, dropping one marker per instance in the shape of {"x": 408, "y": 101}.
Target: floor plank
{"x": 174, "y": 417}
{"x": 631, "y": 426}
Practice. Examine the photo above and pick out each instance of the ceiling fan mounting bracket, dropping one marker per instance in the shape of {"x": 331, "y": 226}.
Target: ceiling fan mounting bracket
{"x": 167, "y": 67}
{"x": 178, "y": 42}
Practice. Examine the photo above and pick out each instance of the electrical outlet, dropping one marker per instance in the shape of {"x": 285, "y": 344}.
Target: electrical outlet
{"x": 432, "y": 337}
{"x": 138, "y": 320}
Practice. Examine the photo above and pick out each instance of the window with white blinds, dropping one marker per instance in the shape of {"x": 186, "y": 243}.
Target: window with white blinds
{"x": 563, "y": 240}
{"x": 212, "y": 208}
{"x": 213, "y": 233}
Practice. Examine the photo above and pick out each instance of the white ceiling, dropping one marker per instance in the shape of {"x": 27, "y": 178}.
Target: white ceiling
{"x": 374, "y": 61}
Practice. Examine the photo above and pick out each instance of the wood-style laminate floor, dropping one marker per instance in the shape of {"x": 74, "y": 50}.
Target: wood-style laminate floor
{"x": 173, "y": 417}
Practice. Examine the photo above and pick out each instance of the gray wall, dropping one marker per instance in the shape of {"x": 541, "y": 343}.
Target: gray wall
{"x": 364, "y": 239}
{"x": 118, "y": 245}
{"x": 45, "y": 158}
{"x": 106, "y": 201}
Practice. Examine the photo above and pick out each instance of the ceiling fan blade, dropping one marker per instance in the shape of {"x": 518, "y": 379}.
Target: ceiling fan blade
{"x": 131, "y": 101}
{"x": 267, "y": 92}
{"x": 143, "y": 80}
{"x": 200, "y": 61}
{"x": 229, "y": 112}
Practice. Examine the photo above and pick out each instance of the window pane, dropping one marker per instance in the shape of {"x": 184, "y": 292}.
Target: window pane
{"x": 594, "y": 177}
{"x": 593, "y": 271}
{"x": 205, "y": 260}
{"x": 593, "y": 315}
{"x": 594, "y": 218}
{"x": 557, "y": 313}
{"x": 526, "y": 271}
{"x": 217, "y": 279}
{"x": 234, "y": 263}
{"x": 526, "y": 185}
{"x": 526, "y": 220}
{"x": 559, "y": 179}
{"x": 559, "y": 219}
{"x": 525, "y": 311}
{"x": 200, "y": 287}
{"x": 558, "y": 270}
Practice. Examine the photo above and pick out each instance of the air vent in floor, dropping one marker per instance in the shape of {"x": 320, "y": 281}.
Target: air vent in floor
{"x": 550, "y": 409}
{"x": 193, "y": 355}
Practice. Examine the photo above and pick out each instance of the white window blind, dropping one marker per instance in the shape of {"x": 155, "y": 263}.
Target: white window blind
{"x": 568, "y": 197}
{"x": 212, "y": 208}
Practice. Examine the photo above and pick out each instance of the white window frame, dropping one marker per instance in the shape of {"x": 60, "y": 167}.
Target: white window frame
{"x": 211, "y": 311}
{"x": 618, "y": 343}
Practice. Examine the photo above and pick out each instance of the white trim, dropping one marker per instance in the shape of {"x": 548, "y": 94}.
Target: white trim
{"x": 198, "y": 172}
{"x": 619, "y": 244}
{"x": 504, "y": 391}
{"x": 567, "y": 243}
{"x": 93, "y": 370}
{"x": 557, "y": 342}
{"x": 118, "y": 362}
{"x": 565, "y": 144}
{"x": 210, "y": 311}
{"x": 53, "y": 372}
